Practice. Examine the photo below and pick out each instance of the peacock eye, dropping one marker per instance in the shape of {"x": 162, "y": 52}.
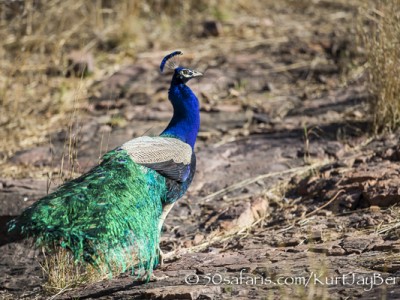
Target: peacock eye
{"x": 185, "y": 72}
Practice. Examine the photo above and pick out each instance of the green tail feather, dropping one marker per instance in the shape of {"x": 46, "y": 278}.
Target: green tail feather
{"x": 103, "y": 215}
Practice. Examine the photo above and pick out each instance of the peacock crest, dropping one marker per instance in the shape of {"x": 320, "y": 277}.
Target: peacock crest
{"x": 170, "y": 61}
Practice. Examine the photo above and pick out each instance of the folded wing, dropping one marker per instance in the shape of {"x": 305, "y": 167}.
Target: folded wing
{"x": 168, "y": 156}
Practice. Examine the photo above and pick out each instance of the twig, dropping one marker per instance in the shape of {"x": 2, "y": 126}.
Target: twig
{"x": 260, "y": 177}
{"x": 388, "y": 228}
{"x": 298, "y": 220}
{"x": 218, "y": 238}
{"x": 63, "y": 290}
{"x": 325, "y": 205}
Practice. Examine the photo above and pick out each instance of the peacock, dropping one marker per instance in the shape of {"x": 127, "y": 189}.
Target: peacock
{"x": 111, "y": 217}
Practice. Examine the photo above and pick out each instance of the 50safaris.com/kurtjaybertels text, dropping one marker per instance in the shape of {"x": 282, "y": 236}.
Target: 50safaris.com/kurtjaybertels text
{"x": 368, "y": 281}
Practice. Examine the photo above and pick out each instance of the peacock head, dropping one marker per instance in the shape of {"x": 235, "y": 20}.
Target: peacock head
{"x": 181, "y": 74}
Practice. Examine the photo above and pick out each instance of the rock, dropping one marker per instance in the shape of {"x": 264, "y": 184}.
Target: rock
{"x": 314, "y": 150}
{"x": 105, "y": 128}
{"x": 335, "y": 149}
{"x": 361, "y": 176}
{"x": 245, "y": 219}
{"x": 259, "y": 208}
{"x": 350, "y": 199}
{"x": 383, "y": 200}
{"x": 291, "y": 242}
{"x": 392, "y": 153}
{"x": 229, "y": 108}
{"x": 383, "y": 193}
{"x": 386, "y": 246}
{"x": 198, "y": 238}
{"x": 211, "y": 28}
{"x": 109, "y": 104}
{"x": 40, "y": 156}
{"x": 53, "y": 70}
{"x": 358, "y": 244}
{"x": 239, "y": 267}
{"x": 267, "y": 87}
{"x": 124, "y": 83}
{"x": 261, "y": 118}
{"x": 315, "y": 236}
{"x": 182, "y": 292}
{"x": 374, "y": 209}
{"x": 79, "y": 64}
{"x": 245, "y": 215}
{"x": 336, "y": 251}
{"x": 324, "y": 248}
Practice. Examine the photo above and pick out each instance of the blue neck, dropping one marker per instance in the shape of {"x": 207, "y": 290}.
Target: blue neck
{"x": 185, "y": 122}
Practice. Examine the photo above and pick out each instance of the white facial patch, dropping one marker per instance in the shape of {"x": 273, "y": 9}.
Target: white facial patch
{"x": 186, "y": 73}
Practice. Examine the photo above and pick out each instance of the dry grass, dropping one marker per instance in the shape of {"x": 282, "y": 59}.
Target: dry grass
{"x": 63, "y": 273}
{"x": 37, "y": 36}
{"x": 381, "y": 39}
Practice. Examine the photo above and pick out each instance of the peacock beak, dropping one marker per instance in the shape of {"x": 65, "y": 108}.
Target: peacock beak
{"x": 196, "y": 73}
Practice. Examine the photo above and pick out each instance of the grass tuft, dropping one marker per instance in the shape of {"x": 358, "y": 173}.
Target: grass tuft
{"x": 381, "y": 39}
{"x": 63, "y": 273}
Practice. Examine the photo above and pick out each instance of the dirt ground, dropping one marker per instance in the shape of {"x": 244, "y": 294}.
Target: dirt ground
{"x": 292, "y": 197}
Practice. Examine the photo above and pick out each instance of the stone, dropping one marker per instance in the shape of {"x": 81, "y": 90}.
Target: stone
{"x": 211, "y": 28}
{"x": 79, "y": 64}
{"x": 40, "y": 156}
